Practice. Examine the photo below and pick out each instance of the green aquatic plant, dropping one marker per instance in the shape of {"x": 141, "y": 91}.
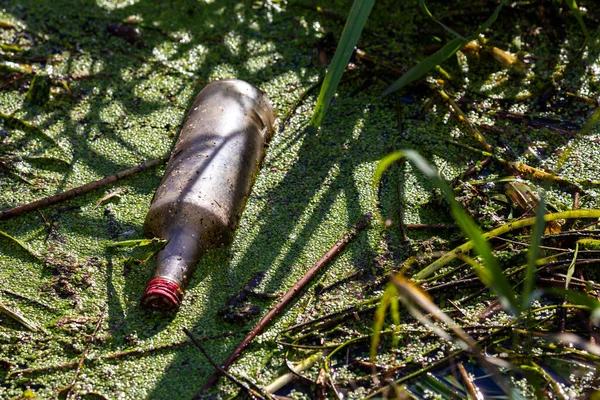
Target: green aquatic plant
{"x": 519, "y": 303}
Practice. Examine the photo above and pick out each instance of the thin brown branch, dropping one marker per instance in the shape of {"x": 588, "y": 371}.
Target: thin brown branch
{"x": 219, "y": 368}
{"x": 69, "y": 194}
{"x": 476, "y": 168}
{"x": 69, "y": 389}
{"x": 287, "y": 298}
{"x": 15, "y": 78}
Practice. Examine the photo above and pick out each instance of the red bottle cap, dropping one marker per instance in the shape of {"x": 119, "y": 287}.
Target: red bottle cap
{"x": 163, "y": 295}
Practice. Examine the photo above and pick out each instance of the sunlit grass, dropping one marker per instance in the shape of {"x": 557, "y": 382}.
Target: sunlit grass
{"x": 490, "y": 272}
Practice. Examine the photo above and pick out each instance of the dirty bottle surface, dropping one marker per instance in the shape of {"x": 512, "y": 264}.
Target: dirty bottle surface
{"x": 207, "y": 180}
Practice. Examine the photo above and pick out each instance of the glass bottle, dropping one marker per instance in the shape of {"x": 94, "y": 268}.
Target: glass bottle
{"x": 206, "y": 182}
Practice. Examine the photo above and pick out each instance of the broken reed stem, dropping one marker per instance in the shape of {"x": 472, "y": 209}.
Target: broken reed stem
{"x": 286, "y": 299}
{"x": 472, "y": 390}
{"x": 84, "y": 354}
{"x": 69, "y": 194}
{"x": 17, "y": 316}
{"x": 290, "y": 376}
{"x": 476, "y": 168}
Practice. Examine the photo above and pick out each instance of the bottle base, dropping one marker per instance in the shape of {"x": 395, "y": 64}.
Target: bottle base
{"x": 162, "y": 295}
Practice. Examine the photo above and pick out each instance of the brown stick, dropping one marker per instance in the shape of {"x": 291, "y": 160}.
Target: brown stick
{"x": 472, "y": 390}
{"x": 286, "y": 299}
{"x": 69, "y": 194}
{"x": 84, "y": 354}
{"x": 220, "y": 369}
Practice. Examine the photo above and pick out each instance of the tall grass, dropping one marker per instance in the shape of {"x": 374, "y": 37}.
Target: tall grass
{"x": 515, "y": 299}
{"x": 486, "y": 267}
{"x": 489, "y": 270}
{"x": 355, "y": 23}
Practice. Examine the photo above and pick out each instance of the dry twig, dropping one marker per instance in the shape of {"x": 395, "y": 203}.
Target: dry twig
{"x": 69, "y": 388}
{"x": 69, "y": 194}
{"x": 220, "y": 369}
{"x": 286, "y": 299}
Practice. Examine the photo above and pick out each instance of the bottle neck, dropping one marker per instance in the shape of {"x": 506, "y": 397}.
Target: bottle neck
{"x": 179, "y": 257}
{"x": 174, "y": 266}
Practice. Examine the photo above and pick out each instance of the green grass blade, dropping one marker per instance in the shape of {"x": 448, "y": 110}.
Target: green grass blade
{"x": 354, "y": 25}
{"x": 571, "y": 268}
{"x": 575, "y": 10}
{"x": 136, "y": 243}
{"x": 395, "y": 311}
{"x": 490, "y": 20}
{"x": 430, "y": 15}
{"x": 441, "y": 55}
{"x": 140, "y": 251}
{"x": 509, "y": 227}
{"x": 533, "y": 254}
{"x": 382, "y": 166}
{"x": 581, "y": 299}
{"x": 426, "y": 65}
{"x": 498, "y": 283}
{"x": 413, "y": 297}
{"x": 483, "y": 274}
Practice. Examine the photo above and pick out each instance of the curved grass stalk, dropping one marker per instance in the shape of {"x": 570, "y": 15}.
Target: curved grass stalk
{"x": 390, "y": 295}
{"x": 558, "y": 391}
{"x": 533, "y": 254}
{"x": 499, "y": 284}
{"x": 437, "y": 21}
{"x": 511, "y": 226}
{"x": 17, "y": 316}
{"x": 20, "y": 244}
{"x": 328, "y": 359}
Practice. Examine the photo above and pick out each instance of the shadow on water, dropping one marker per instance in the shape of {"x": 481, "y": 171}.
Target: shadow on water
{"x": 183, "y": 46}
{"x": 115, "y": 71}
